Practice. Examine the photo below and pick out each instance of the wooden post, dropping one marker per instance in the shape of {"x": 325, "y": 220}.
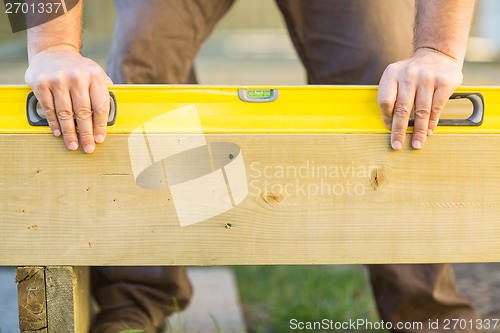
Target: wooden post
{"x": 53, "y": 299}
{"x": 31, "y": 299}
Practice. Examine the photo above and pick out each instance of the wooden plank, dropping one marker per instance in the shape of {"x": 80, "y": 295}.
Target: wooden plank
{"x": 68, "y": 299}
{"x": 31, "y": 299}
{"x": 313, "y": 199}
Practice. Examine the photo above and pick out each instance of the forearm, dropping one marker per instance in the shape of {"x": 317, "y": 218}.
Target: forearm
{"x": 443, "y": 25}
{"x": 65, "y": 31}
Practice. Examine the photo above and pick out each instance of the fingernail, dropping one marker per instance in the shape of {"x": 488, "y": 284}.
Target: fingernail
{"x": 99, "y": 138}
{"x": 430, "y": 132}
{"x": 57, "y": 132}
{"x": 73, "y": 146}
{"x": 396, "y": 145}
{"x": 417, "y": 144}
{"x": 88, "y": 149}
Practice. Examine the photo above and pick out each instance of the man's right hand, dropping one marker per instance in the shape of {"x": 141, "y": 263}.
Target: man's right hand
{"x": 71, "y": 87}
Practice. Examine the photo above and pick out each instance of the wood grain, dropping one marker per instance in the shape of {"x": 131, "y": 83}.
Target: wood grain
{"x": 31, "y": 299}
{"x": 68, "y": 299}
{"x": 356, "y": 201}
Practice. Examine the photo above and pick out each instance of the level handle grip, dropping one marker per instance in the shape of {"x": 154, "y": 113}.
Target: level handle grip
{"x": 475, "y": 119}
{"x": 36, "y": 116}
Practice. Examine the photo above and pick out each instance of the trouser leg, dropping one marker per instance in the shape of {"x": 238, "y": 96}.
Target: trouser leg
{"x": 352, "y": 42}
{"x": 155, "y": 41}
{"x": 349, "y": 41}
{"x": 156, "y": 291}
{"x": 421, "y": 293}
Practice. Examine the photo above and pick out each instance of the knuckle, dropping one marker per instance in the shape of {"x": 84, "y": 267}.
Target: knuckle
{"x": 385, "y": 103}
{"x": 442, "y": 81}
{"x": 53, "y": 124}
{"x": 58, "y": 77}
{"x": 101, "y": 108}
{"x": 412, "y": 73}
{"x": 427, "y": 77}
{"x": 458, "y": 79}
{"x": 392, "y": 68}
{"x": 420, "y": 133}
{"x": 399, "y": 133}
{"x": 83, "y": 113}
{"x": 68, "y": 133}
{"x": 401, "y": 111}
{"x": 433, "y": 123}
{"x": 437, "y": 108}
{"x": 86, "y": 136}
{"x": 64, "y": 113}
{"x": 422, "y": 113}
{"x": 42, "y": 82}
{"x": 49, "y": 113}
{"x": 74, "y": 75}
{"x": 100, "y": 128}
{"x": 55, "y": 80}
{"x": 449, "y": 81}
{"x": 95, "y": 71}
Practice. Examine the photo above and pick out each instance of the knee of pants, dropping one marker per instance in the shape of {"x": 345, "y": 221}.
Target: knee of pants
{"x": 349, "y": 41}
{"x": 118, "y": 286}
{"x": 350, "y": 67}
{"x": 157, "y": 41}
{"x": 138, "y": 55}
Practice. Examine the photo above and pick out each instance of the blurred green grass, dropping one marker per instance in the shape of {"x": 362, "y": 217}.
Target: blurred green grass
{"x": 273, "y": 295}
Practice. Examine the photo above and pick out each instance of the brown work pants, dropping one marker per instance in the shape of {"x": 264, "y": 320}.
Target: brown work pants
{"x": 339, "y": 42}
